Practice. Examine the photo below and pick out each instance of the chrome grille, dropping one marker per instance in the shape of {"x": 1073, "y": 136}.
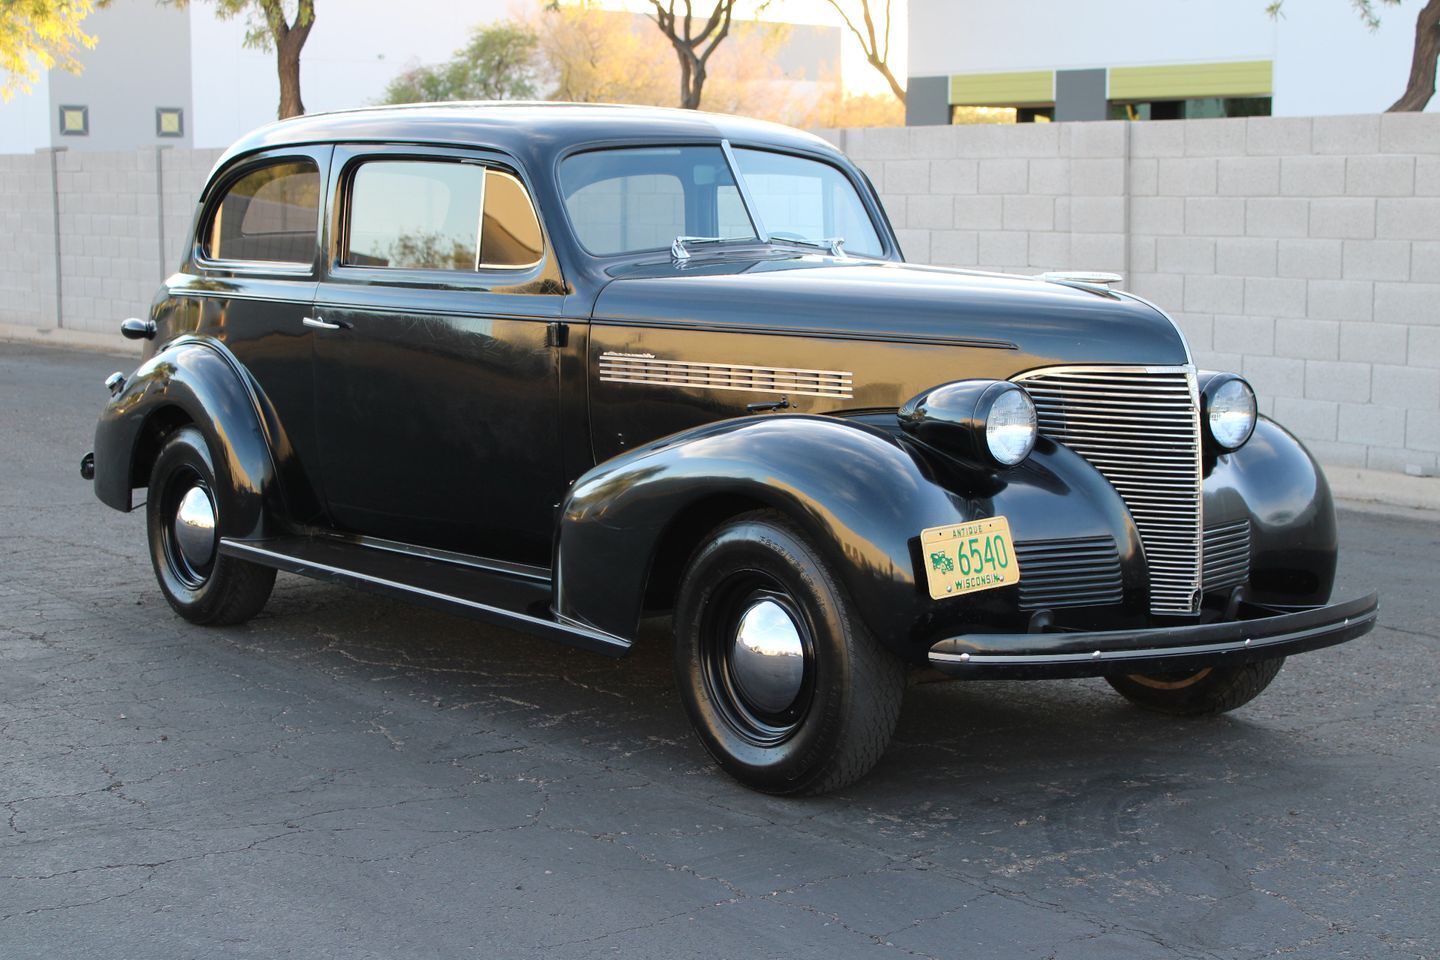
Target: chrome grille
{"x": 1078, "y": 572}
{"x": 1227, "y": 555}
{"x": 633, "y": 368}
{"x": 1140, "y": 427}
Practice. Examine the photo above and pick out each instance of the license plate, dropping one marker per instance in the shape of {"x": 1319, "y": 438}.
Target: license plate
{"x": 968, "y": 557}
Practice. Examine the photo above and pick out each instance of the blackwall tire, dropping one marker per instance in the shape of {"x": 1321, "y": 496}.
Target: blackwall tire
{"x": 1210, "y": 690}
{"x": 751, "y": 596}
{"x": 183, "y": 500}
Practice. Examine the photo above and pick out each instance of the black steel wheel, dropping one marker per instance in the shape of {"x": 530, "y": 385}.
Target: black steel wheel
{"x": 182, "y": 517}
{"x": 785, "y": 688}
{"x": 1198, "y": 692}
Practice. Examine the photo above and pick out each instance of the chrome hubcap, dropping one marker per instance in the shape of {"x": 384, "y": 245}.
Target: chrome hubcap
{"x": 767, "y": 659}
{"x": 195, "y": 527}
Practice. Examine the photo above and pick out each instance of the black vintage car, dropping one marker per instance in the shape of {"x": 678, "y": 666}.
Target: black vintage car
{"x": 559, "y": 367}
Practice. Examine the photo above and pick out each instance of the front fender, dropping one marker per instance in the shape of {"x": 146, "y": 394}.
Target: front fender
{"x": 1274, "y": 482}
{"x": 194, "y": 380}
{"x": 862, "y": 493}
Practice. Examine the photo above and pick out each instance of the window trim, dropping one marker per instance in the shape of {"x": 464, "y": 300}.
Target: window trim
{"x": 343, "y": 195}
{"x": 214, "y": 196}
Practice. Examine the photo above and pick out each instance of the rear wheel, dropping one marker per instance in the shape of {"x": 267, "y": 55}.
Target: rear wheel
{"x": 1198, "y": 692}
{"x": 182, "y": 519}
{"x": 785, "y": 687}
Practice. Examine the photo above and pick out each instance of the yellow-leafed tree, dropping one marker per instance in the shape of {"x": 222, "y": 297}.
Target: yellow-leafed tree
{"x": 37, "y": 35}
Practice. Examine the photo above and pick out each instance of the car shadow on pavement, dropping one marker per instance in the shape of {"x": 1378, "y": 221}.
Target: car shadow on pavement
{"x": 954, "y": 739}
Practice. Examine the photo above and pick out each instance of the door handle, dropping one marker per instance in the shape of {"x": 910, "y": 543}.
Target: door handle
{"x": 320, "y": 324}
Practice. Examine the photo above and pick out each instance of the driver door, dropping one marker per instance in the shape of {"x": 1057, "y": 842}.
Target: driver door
{"x": 436, "y": 384}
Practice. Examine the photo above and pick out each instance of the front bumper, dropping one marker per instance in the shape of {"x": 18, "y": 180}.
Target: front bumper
{"x": 1267, "y": 634}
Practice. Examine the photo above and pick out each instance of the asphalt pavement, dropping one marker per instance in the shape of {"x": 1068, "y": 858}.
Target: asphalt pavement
{"x": 351, "y": 777}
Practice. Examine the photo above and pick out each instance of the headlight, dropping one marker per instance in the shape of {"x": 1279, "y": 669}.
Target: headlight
{"x": 1010, "y": 427}
{"x": 1228, "y": 405}
{"x": 986, "y": 422}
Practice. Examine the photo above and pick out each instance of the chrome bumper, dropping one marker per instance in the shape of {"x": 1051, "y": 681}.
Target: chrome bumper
{"x": 1155, "y": 649}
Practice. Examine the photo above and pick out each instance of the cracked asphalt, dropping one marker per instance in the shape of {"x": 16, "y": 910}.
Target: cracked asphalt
{"x": 351, "y": 777}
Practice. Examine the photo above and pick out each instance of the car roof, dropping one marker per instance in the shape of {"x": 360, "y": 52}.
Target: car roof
{"x": 519, "y": 127}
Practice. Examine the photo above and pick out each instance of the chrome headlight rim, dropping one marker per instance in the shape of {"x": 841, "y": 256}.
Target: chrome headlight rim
{"x": 1229, "y": 410}
{"x": 1011, "y": 424}
{"x": 988, "y": 424}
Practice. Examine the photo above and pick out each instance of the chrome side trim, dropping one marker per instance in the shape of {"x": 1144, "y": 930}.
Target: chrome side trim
{"x": 644, "y": 368}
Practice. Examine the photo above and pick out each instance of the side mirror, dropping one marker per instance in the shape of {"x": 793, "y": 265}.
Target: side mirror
{"x": 137, "y": 329}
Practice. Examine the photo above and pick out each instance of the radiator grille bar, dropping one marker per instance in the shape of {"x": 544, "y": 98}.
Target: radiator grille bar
{"x": 1227, "y": 555}
{"x": 1140, "y": 427}
{"x": 1078, "y": 572}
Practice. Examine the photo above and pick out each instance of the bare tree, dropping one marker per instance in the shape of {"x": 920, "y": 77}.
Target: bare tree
{"x": 874, "y": 41}
{"x": 693, "y": 49}
{"x": 269, "y": 27}
{"x": 1421, "y": 86}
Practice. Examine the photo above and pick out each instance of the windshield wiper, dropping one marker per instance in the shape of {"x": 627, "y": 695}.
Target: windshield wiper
{"x": 679, "y": 252}
{"x": 835, "y": 246}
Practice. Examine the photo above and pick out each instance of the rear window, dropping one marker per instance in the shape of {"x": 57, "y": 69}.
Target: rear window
{"x": 269, "y": 215}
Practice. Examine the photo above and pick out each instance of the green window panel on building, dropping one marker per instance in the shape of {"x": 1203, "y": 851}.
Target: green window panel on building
{"x": 1025, "y": 87}
{"x": 1250, "y": 78}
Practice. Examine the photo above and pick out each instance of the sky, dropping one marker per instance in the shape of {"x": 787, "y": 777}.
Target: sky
{"x": 858, "y": 76}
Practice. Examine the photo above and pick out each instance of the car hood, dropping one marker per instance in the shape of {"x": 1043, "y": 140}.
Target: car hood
{"x": 1046, "y": 323}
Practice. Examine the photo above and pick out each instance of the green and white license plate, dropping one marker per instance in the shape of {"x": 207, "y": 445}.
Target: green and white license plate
{"x": 967, "y": 557}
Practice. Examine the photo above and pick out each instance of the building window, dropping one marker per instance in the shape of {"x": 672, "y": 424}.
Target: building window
{"x": 74, "y": 121}
{"x": 1192, "y": 109}
{"x": 968, "y": 114}
{"x": 169, "y": 122}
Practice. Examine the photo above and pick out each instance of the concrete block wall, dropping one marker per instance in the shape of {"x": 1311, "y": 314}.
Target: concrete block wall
{"x": 87, "y": 237}
{"x": 1304, "y": 253}
{"x": 1301, "y": 252}
{"x": 27, "y": 240}
{"x": 109, "y": 236}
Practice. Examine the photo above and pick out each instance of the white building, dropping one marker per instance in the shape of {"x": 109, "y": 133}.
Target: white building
{"x": 1153, "y": 59}
{"x": 161, "y": 75}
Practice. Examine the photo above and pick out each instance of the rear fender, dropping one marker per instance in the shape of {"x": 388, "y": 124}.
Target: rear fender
{"x": 197, "y": 381}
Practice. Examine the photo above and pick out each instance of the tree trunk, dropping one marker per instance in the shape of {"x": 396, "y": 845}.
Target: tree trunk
{"x": 287, "y": 62}
{"x": 1422, "y": 68}
{"x": 692, "y": 86}
{"x": 895, "y": 87}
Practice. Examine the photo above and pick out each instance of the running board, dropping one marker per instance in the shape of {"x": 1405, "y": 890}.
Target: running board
{"x": 490, "y": 595}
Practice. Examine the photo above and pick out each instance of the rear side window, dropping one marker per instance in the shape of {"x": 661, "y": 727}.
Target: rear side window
{"x": 436, "y": 215}
{"x": 269, "y": 215}
{"x": 510, "y": 233}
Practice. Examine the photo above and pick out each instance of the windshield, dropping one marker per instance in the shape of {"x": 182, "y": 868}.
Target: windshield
{"x": 801, "y": 199}
{"x": 629, "y": 200}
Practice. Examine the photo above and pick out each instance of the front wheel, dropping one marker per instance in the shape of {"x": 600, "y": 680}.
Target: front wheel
{"x": 1199, "y": 692}
{"x": 786, "y": 688}
{"x": 182, "y": 517}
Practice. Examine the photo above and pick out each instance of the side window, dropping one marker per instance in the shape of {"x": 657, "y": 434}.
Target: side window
{"x": 415, "y": 214}
{"x": 269, "y": 215}
{"x": 510, "y": 231}
{"x": 439, "y": 215}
